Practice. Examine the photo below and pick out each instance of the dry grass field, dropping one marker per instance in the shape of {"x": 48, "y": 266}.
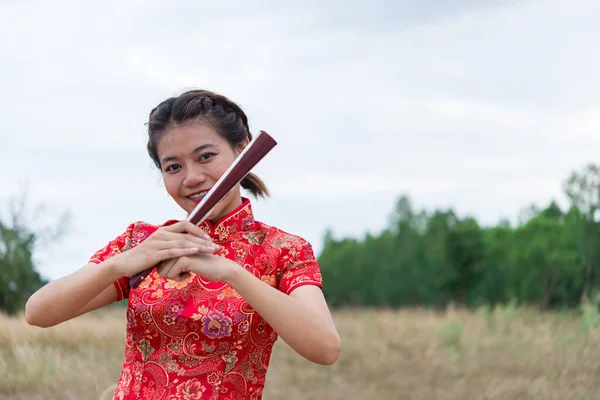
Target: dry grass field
{"x": 408, "y": 354}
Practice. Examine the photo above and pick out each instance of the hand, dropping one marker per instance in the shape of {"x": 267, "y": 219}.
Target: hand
{"x": 208, "y": 266}
{"x": 168, "y": 242}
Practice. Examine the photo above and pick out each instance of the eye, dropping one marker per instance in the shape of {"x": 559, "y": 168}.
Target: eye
{"x": 206, "y": 156}
{"x": 172, "y": 168}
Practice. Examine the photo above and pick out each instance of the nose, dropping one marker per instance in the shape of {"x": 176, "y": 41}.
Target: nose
{"x": 194, "y": 177}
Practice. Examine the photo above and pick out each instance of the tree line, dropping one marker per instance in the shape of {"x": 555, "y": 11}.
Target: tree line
{"x": 549, "y": 259}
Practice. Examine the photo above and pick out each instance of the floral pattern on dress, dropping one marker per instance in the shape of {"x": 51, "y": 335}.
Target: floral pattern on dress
{"x": 199, "y": 339}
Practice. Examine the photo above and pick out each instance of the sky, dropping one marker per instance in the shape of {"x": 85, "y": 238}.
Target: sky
{"x": 485, "y": 107}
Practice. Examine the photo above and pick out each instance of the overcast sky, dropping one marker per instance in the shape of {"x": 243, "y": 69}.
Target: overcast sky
{"x": 484, "y": 108}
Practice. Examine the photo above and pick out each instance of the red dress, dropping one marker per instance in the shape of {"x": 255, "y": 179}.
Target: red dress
{"x": 199, "y": 339}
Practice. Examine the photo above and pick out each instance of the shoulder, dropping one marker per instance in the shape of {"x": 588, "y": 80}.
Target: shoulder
{"x": 289, "y": 243}
{"x": 134, "y": 233}
{"x": 296, "y": 262}
{"x": 138, "y": 231}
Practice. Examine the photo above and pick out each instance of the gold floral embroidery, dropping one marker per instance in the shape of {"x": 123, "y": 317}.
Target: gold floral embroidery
{"x": 146, "y": 349}
{"x": 222, "y": 232}
{"x": 176, "y": 346}
{"x": 202, "y": 311}
{"x": 189, "y": 390}
{"x": 227, "y": 292}
{"x": 230, "y": 359}
{"x": 172, "y": 284}
{"x": 256, "y": 237}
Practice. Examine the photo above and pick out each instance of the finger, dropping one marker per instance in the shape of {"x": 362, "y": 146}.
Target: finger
{"x": 183, "y": 276}
{"x": 165, "y": 267}
{"x": 175, "y": 252}
{"x": 189, "y": 241}
{"x": 167, "y": 236}
{"x": 204, "y": 243}
{"x": 179, "y": 267}
{"x": 203, "y": 246}
{"x": 177, "y": 239}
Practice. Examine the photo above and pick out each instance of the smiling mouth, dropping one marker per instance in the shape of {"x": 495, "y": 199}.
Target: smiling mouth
{"x": 199, "y": 195}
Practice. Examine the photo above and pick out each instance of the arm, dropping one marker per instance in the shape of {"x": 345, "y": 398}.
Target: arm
{"x": 92, "y": 287}
{"x": 302, "y": 319}
{"x": 87, "y": 289}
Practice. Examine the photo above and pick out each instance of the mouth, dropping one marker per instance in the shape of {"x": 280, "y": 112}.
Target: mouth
{"x": 196, "y": 197}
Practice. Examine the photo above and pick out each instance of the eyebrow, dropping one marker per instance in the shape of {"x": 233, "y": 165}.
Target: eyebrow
{"x": 196, "y": 150}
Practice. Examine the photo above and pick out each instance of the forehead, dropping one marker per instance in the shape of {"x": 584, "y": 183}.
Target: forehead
{"x": 186, "y": 138}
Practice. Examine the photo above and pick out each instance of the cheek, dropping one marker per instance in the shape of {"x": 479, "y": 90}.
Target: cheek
{"x": 171, "y": 184}
{"x": 218, "y": 169}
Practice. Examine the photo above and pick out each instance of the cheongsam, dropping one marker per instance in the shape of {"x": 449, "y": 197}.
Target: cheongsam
{"x": 199, "y": 339}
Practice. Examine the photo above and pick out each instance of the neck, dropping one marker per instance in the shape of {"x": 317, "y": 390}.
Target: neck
{"x": 231, "y": 204}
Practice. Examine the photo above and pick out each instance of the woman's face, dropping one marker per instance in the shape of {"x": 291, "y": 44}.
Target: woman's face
{"x": 193, "y": 157}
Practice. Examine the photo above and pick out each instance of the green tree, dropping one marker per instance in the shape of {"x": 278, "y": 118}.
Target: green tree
{"x": 464, "y": 253}
{"x": 583, "y": 189}
{"x": 494, "y": 284}
{"x": 548, "y": 255}
{"x": 19, "y": 278}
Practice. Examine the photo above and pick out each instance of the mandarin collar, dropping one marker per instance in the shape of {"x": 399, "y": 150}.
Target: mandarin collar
{"x": 239, "y": 220}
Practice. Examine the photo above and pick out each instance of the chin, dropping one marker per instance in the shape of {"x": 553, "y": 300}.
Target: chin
{"x": 187, "y": 205}
{"x": 214, "y": 215}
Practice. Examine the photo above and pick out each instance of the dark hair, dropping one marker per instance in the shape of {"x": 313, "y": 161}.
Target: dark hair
{"x": 206, "y": 107}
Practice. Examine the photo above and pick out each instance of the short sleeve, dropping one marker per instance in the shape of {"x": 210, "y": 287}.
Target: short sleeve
{"x": 299, "y": 266}
{"x": 118, "y": 245}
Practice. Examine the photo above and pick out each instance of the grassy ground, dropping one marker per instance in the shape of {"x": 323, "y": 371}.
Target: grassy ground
{"x": 409, "y": 354}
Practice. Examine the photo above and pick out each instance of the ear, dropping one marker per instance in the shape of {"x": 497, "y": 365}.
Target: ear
{"x": 243, "y": 145}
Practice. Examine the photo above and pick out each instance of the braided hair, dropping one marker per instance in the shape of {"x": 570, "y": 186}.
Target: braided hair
{"x": 203, "y": 106}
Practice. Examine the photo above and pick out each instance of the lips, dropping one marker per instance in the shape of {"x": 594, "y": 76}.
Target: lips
{"x": 196, "y": 197}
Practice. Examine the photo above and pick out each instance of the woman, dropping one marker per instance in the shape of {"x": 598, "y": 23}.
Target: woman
{"x": 202, "y": 325}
